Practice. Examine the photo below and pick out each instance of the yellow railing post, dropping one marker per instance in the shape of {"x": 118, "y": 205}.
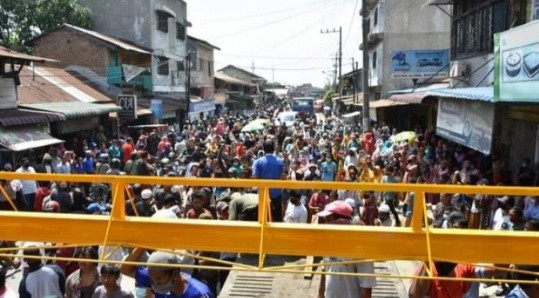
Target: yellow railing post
{"x": 420, "y": 200}
{"x": 117, "y": 212}
{"x": 418, "y": 211}
{"x": 263, "y": 203}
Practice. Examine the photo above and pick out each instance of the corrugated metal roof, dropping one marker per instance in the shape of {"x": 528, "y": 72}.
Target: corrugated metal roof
{"x": 432, "y": 87}
{"x": 111, "y": 40}
{"x": 72, "y": 110}
{"x": 477, "y": 93}
{"x": 5, "y": 52}
{"x": 231, "y": 80}
{"x": 383, "y": 103}
{"x": 49, "y": 84}
{"x": 15, "y": 117}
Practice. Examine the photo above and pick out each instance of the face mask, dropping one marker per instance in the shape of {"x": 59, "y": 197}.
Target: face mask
{"x": 163, "y": 288}
{"x": 141, "y": 292}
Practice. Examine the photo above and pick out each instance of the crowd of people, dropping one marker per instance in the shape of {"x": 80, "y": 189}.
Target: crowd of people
{"x": 314, "y": 148}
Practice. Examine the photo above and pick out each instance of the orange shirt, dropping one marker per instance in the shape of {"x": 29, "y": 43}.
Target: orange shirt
{"x": 127, "y": 149}
{"x": 450, "y": 289}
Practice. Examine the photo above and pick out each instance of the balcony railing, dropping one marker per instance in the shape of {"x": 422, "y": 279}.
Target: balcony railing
{"x": 115, "y": 76}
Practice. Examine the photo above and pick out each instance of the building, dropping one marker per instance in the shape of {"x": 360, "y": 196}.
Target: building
{"x": 114, "y": 66}
{"x": 159, "y": 25}
{"x": 201, "y": 78}
{"x": 244, "y": 87}
{"x": 408, "y": 43}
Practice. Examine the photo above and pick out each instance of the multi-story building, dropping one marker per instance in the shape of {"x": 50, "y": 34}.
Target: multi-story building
{"x": 160, "y": 25}
{"x": 411, "y": 29}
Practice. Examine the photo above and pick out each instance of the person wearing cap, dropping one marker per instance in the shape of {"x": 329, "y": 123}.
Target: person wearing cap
{"x": 312, "y": 172}
{"x": 334, "y": 286}
{"x": 165, "y": 282}
{"x": 383, "y": 220}
{"x": 271, "y": 167}
{"x": 145, "y": 206}
{"x": 501, "y": 220}
{"x": 102, "y": 166}
{"x": 295, "y": 211}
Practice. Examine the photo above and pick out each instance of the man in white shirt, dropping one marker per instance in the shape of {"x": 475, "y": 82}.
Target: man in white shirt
{"x": 41, "y": 281}
{"x": 295, "y": 211}
{"x": 29, "y": 187}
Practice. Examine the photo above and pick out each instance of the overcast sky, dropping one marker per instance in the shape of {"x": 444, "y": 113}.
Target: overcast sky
{"x": 279, "y": 34}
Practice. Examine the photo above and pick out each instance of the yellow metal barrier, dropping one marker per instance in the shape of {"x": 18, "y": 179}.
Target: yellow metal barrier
{"x": 267, "y": 238}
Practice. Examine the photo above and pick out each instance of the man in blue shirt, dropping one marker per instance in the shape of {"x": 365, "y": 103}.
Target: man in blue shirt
{"x": 271, "y": 167}
{"x": 165, "y": 282}
{"x": 328, "y": 169}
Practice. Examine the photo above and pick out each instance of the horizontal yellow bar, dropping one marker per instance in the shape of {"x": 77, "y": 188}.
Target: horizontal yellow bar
{"x": 427, "y": 188}
{"x": 279, "y": 239}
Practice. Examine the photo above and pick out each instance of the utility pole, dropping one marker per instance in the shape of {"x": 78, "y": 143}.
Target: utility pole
{"x": 365, "y": 35}
{"x": 339, "y": 55}
{"x": 335, "y": 75}
{"x": 188, "y": 85}
{"x": 253, "y": 67}
{"x": 353, "y": 81}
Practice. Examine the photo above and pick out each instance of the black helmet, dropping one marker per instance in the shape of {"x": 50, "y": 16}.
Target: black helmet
{"x": 115, "y": 163}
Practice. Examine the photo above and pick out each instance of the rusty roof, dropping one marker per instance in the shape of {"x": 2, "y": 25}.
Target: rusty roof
{"x": 49, "y": 84}
{"x": 5, "y": 52}
{"x": 16, "y": 117}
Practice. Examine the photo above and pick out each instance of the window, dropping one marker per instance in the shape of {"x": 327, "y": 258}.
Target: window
{"x": 200, "y": 64}
{"x": 162, "y": 66}
{"x": 210, "y": 68}
{"x": 180, "y": 66}
{"x": 375, "y": 21}
{"x": 374, "y": 59}
{"x": 180, "y": 31}
{"x": 162, "y": 21}
{"x": 474, "y": 24}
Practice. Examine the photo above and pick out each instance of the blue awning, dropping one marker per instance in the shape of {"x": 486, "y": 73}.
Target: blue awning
{"x": 477, "y": 93}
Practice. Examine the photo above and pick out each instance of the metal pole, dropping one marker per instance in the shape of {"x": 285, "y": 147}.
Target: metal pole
{"x": 188, "y": 87}
{"x": 365, "y": 31}
{"x": 353, "y": 81}
{"x": 340, "y": 63}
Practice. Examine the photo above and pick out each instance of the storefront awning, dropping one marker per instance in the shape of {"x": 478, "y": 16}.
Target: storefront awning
{"x": 408, "y": 98}
{"x": 14, "y": 117}
{"x": 140, "y": 112}
{"x": 75, "y": 109}
{"x": 477, "y": 93}
{"x": 26, "y": 137}
{"x": 384, "y": 103}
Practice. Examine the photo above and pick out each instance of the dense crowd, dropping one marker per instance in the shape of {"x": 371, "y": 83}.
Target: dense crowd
{"x": 312, "y": 148}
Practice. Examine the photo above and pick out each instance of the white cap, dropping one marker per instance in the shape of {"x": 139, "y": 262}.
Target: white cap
{"x": 146, "y": 194}
{"x": 383, "y": 208}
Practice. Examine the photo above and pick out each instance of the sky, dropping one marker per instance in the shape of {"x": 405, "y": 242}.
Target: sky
{"x": 281, "y": 38}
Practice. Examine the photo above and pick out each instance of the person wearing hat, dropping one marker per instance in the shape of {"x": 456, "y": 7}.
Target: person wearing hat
{"x": 145, "y": 206}
{"x": 334, "y": 286}
{"x": 312, "y": 172}
{"x": 383, "y": 220}
{"x": 102, "y": 166}
{"x": 165, "y": 282}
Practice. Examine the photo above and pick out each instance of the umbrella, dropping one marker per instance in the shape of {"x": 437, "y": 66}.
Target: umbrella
{"x": 408, "y": 136}
{"x": 255, "y": 125}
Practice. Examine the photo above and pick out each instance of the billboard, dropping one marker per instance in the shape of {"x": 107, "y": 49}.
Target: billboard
{"x": 466, "y": 122}
{"x": 8, "y": 94}
{"x": 156, "y": 106}
{"x": 419, "y": 64}
{"x": 516, "y": 66}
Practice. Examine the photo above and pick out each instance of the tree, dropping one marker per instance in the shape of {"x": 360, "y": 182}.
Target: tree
{"x": 22, "y": 20}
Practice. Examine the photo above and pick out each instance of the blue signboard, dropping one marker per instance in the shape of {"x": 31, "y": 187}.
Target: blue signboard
{"x": 419, "y": 64}
{"x": 156, "y": 107}
{"x": 202, "y": 106}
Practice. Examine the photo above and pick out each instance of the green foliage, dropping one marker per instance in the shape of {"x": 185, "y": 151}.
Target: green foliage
{"x": 22, "y": 20}
{"x": 330, "y": 93}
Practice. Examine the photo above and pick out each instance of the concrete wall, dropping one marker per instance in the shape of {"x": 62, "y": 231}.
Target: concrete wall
{"x": 126, "y": 19}
{"x": 201, "y": 76}
{"x": 71, "y": 48}
{"x": 408, "y": 25}
{"x": 480, "y": 68}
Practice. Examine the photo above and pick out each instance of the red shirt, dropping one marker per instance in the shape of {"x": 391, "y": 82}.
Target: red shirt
{"x": 450, "y": 289}
{"x": 319, "y": 200}
{"x": 127, "y": 149}
{"x": 41, "y": 193}
{"x": 195, "y": 214}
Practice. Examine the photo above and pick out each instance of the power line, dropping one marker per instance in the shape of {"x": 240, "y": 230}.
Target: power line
{"x": 351, "y": 23}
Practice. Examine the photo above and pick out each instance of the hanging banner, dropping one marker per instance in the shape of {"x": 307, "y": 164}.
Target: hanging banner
{"x": 131, "y": 71}
{"x": 156, "y": 106}
{"x": 128, "y": 105}
{"x": 8, "y": 94}
{"x": 466, "y": 122}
